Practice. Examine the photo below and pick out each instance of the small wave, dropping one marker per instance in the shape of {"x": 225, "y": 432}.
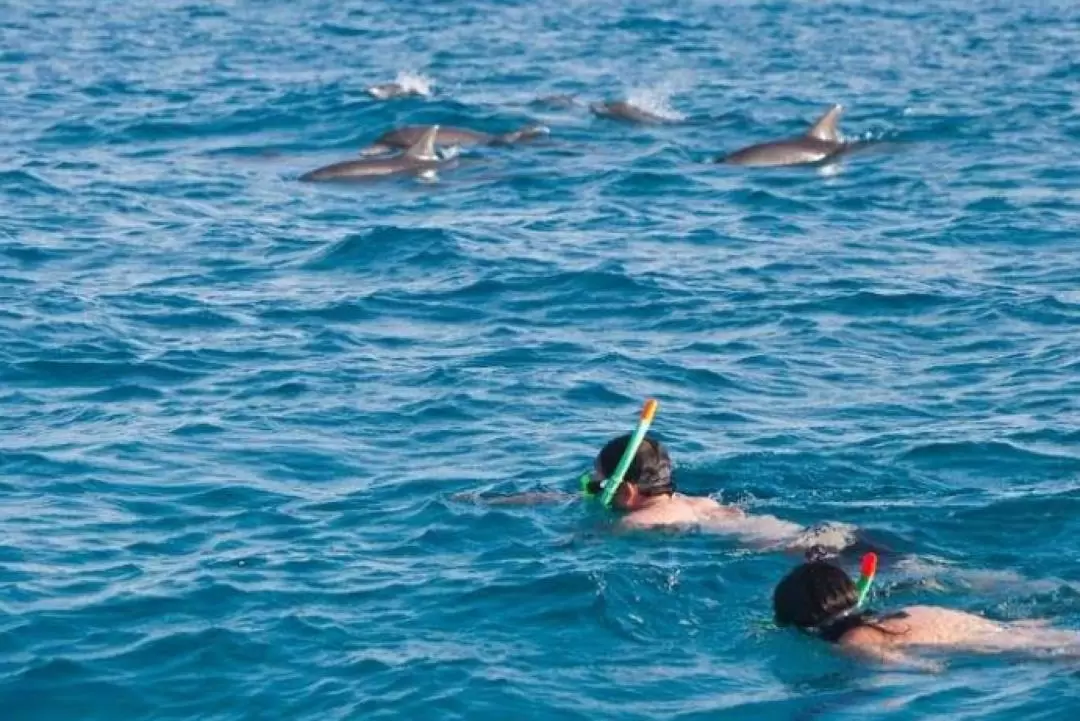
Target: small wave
{"x": 83, "y": 373}
{"x": 877, "y": 303}
{"x": 124, "y": 393}
{"x": 197, "y": 429}
{"x": 24, "y": 184}
{"x": 993, "y": 454}
{"x": 357, "y": 250}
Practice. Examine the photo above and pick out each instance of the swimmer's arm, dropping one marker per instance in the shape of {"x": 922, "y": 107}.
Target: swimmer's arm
{"x": 518, "y": 499}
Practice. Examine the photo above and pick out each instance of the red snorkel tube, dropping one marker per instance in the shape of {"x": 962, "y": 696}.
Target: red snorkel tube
{"x": 867, "y": 571}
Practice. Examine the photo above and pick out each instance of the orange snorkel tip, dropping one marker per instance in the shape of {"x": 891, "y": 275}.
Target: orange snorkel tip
{"x": 867, "y": 571}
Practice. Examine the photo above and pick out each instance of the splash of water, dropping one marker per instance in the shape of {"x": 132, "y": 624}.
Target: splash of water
{"x": 655, "y": 100}
{"x": 832, "y": 535}
{"x": 415, "y": 82}
{"x": 449, "y": 152}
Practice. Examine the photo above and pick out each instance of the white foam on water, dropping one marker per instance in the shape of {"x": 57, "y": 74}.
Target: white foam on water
{"x": 832, "y": 535}
{"x": 415, "y": 82}
{"x": 830, "y": 170}
{"x": 654, "y": 100}
{"x": 448, "y": 152}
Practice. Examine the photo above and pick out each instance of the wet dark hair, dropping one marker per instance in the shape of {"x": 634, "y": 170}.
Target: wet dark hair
{"x": 650, "y": 470}
{"x": 821, "y": 598}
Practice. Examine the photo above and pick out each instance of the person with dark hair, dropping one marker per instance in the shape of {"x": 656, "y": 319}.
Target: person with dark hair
{"x": 820, "y": 598}
{"x": 647, "y": 494}
{"x": 648, "y": 498}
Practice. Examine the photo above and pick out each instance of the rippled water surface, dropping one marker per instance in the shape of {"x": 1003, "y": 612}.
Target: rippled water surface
{"x": 238, "y": 410}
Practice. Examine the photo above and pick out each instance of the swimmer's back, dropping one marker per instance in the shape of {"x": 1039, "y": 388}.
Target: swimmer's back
{"x": 924, "y": 626}
{"x": 680, "y": 510}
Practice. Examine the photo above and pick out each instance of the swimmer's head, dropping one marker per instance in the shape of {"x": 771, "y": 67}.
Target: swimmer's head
{"x": 814, "y": 595}
{"x": 648, "y": 475}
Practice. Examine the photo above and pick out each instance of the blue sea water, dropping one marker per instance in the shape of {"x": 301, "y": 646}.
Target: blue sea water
{"x": 238, "y": 411}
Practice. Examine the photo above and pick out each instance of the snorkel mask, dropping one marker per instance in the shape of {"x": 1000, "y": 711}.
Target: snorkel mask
{"x": 833, "y": 628}
{"x": 591, "y": 485}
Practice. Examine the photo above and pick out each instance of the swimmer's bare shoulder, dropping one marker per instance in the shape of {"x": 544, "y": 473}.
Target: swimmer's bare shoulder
{"x": 862, "y": 637}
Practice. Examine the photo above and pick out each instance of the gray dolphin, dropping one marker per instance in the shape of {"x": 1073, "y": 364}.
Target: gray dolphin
{"x": 622, "y": 110}
{"x": 406, "y": 136}
{"x": 821, "y": 142}
{"x": 385, "y": 91}
{"x": 420, "y": 159}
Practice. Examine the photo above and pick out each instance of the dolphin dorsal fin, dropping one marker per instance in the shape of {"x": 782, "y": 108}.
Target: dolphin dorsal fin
{"x": 424, "y": 148}
{"x": 824, "y": 128}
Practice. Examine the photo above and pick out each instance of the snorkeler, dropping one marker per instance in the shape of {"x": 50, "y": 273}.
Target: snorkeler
{"x": 821, "y": 599}
{"x": 632, "y": 476}
{"x": 645, "y": 498}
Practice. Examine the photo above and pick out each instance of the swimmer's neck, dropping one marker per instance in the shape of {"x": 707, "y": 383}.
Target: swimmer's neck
{"x": 650, "y": 502}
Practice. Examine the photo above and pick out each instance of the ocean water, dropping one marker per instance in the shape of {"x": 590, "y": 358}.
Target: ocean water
{"x": 239, "y": 412}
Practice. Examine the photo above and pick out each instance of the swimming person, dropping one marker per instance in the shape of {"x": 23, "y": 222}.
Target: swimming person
{"x": 821, "y": 599}
{"x": 648, "y": 498}
{"x": 632, "y": 475}
{"x": 647, "y": 494}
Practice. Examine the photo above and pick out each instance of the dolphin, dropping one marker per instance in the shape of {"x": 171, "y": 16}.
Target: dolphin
{"x": 820, "y": 143}
{"x": 385, "y": 91}
{"x": 622, "y": 110}
{"x": 405, "y": 137}
{"x": 420, "y": 159}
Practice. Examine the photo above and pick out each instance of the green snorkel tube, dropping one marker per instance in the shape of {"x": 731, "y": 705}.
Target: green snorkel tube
{"x": 611, "y": 486}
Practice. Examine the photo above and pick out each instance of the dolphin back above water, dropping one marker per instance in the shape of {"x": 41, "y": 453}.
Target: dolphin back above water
{"x": 463, "y": 137}
{"x": 820, "y": 143}
{"x": 419, "y": 159}
{"x": 626, "y": 111}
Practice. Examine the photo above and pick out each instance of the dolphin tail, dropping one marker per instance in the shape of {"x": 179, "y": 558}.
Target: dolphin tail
{"x": 424, "y": 148}
{"x": 824, "y": 128}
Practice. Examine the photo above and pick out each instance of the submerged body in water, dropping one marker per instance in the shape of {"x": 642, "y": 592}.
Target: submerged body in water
{"x": 648, "y": 499}
{"x": 821, "y": 599}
